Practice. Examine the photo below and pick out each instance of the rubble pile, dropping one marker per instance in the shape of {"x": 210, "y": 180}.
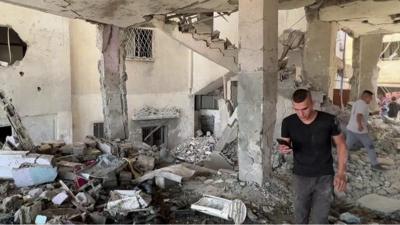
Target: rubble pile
{"x": 99, "y": 181}
{"x": 230, "y": 152}
{"x": 386, "y": 135}
{"x": 148, "y": 112}
{"x": 363, "y": 180}
{"x": 195, "y": 150}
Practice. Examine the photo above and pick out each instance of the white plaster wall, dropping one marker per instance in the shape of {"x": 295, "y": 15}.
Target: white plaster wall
{"x": 45, "y": 65}
{"x": 163, "y": 82}
{"x": 389, "y": 74}
{"x": 86, "y": 96}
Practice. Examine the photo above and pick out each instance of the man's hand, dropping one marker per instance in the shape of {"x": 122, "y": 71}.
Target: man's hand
{"x": 340, "y": 182}
{"x": 360, "y": 127}
{"x": 284, "y": 149}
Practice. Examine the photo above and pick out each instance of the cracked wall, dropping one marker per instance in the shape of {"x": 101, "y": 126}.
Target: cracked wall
{"x": 40, "y": 84}
{"x": 163, "y": 82}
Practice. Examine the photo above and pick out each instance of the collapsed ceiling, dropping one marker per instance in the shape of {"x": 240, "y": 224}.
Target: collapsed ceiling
{"x": 124, "y": 13}
{"x": 357, "y": 16}
{"x": 364, "y": 16}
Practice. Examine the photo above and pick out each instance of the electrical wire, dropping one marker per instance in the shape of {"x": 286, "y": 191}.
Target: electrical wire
{"x": 9, "y": 45}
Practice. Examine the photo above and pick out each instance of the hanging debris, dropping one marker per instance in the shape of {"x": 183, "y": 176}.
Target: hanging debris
{"x": 25, "y": 141}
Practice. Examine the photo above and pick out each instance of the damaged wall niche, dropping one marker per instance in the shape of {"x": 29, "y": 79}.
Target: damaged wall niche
{"x": 12, "y": 48}
{"x": 40, "y": 84}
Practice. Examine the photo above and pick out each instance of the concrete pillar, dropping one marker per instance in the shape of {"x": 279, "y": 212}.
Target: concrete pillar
{"x": 257, "y": 90}
{"x": 355, "y": 79}
{"x": 319, "y": 65}
{"x": 366, "y": 64}
{"x": 113, "y": 82}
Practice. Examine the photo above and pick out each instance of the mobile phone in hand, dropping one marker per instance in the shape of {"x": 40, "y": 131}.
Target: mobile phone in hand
{"x": 283, "y": 142}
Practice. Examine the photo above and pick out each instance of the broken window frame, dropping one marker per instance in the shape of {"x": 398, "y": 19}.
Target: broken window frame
{"x": 200, "y": 105}
{"x": 97, "y": 129}
{"x": 389, "y": 49}
{"x": 131, "y": 52}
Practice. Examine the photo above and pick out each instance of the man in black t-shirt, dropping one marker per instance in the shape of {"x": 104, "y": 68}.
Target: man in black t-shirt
{"x": 394, "y": 108}
{"x": 309, "y": 134}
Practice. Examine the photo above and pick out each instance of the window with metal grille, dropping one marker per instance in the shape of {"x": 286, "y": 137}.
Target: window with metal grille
{"x": 391, "y": 51}
{"x": 98, "y": 130}
{"x": 139, "y": 44}
{"x": 206, "y": 102}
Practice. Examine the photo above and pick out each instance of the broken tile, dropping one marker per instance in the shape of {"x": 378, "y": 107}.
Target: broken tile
{"x": 123, "y": 202}
{"x": 222, "y": 208}
{"x": 34, "y": 175}
{"x": 10, "y": 160}
{"x": 40, "y": 220}
{"x": 60, "y": 198}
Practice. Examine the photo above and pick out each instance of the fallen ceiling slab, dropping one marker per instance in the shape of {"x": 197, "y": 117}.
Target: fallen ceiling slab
{"x": 364, "y": 17}
{"x": 125, "y": 13}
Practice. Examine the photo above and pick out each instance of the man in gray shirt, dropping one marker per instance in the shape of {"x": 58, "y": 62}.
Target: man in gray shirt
{"x": 357, "y": 130}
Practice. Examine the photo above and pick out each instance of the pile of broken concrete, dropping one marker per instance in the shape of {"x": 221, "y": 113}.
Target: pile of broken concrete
{"x": 99, "y": 181}
{"x": 195, "y": 149}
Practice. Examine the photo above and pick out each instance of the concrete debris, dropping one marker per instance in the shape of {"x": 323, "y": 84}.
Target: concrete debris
{"x": 195, "y": 150}
{"x": 216, "y": 161}
{"x": 60, "y": 198}
{"x": 10, "y": 160}
{"x": 149, "y": 184}
{"x": 11, "y": 203}
{"x": 24, "y": 139}
{"x": 150, "y": 113}
{"x": 106, "y": 165}
{"x": 30, "y": 175}
{"x": 180, "y": 171}
{"x": 379, "y": 203}
{"x": 349, "y": 218}
{"x": 226, "y": 209}
{"x": 85, "y": 199}
{"x": 123, "y": 202}
{"x": 27, "y": 213}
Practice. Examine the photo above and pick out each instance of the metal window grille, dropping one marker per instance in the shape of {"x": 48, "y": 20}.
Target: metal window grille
{"x": 139, "y": 43}
{"x": 98, "y": 130}
{"x": 206, "y": 102}
{"x": 391, "y": 51}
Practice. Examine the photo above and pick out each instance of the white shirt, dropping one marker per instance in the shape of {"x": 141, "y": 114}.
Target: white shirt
{"x": 359, "y": 107}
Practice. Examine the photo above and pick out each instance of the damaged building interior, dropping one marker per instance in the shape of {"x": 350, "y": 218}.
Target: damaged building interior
{"x": 167, "y": 111}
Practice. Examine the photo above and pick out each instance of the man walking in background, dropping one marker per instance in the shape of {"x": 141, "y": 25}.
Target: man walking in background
{"x": 357, "y": 130}
{"x": 394, "y": 108}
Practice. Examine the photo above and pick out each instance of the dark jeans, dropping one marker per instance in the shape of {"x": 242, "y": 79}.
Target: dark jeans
{"x": 313, "y": 198}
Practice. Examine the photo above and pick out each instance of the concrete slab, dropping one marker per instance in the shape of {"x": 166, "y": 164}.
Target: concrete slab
{"x": 379, "y": 203}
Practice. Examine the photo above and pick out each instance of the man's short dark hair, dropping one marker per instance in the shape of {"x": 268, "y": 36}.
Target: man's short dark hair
{"x": 300, "y": 95}
{"x": 367, "y": 92}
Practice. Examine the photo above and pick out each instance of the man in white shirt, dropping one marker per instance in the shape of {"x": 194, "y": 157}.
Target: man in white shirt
{"x": 357, "y": 130}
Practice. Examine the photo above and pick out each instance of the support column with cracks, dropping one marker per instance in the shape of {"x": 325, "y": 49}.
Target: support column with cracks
{"x": 257, "y": 91}
{"x": 113, "y": 81}
{"x": 365, "y": 64}
{"x": 355, "y": 79}
{"x": 319, "y": 66}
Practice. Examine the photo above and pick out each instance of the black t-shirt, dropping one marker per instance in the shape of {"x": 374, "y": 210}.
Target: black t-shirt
{"x": 312, "y": 143}
{"x": 394, "y": 108}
